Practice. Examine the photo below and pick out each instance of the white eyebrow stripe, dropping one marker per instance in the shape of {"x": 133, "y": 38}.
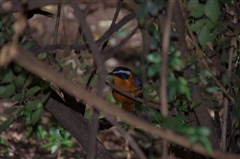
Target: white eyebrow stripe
{"x": 122, "y": 71}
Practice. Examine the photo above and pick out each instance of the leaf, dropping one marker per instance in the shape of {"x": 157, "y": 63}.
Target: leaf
{"x": 47, "y": 145}
{"x": 191, "y": 131}
{"x": 209, "y": 24}
{"x": 212, "y": 10}
{"x": 7, "y": 91}
{"x": 28, "y": 45}
{"x": 7, "y": 78}
{"x": 42, "y": 56}
{"x": 19, "y": 112}
{"x": 204, "y": 37}
{"x": 192, "y": 139}
{"x": 204, "y": 131}
{"x": 154, "y": 57}
{"x": 206, "y": 144}
{"x": 45, "y": 97}
{"x": 152, "y": 8}
{"x": 94, "y": 81}
{"x": 212, "y": 89}
{"x": 34, "y": 105}
{"x": 196, "y": 9}
{"x": 70, "y": 66}
{"x": 195, "y": 103}
{"x": 32, "y": 91}
{"x": 83, "y": 66}
{"x": 62, "y": 133}
{"x": 9, "y": 110}
{"x": 19, "y": 81}
{"x": 152, "y": 28}
{"x": 197, "y": 26}
{"x": 37, "y": 114}
{"x": 153, "y": 43}
{"x": 54, "y": 148}
{"x": 6, "y": 124}
{"x": 17, "y": 97}
{"x": 153, "y": 69}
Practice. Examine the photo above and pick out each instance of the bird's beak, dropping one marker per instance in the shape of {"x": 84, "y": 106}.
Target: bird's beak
{"x": 110, "y": 73}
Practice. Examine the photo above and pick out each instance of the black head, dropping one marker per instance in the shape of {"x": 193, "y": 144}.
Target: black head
{"x": 121, "y": 72}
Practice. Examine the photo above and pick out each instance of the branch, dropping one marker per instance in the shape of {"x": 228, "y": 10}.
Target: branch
{"x": 164, "y": 72}
{"x": 24, "y": 59}
{"x": 75, "y": 123}
{"x": 101, "y": 72}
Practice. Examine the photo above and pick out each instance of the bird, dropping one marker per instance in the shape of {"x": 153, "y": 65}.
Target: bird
{"x": 128, "y": 81}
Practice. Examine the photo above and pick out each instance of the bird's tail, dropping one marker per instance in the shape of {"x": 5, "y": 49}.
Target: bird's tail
{"x": 129, "y": 107}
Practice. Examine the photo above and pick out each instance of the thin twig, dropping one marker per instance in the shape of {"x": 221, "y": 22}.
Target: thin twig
{"x": 164, "y": 71}
{"x": 119, "y": 6}
{"x": 57, "y": 23}
{"x": 226, "y": 102}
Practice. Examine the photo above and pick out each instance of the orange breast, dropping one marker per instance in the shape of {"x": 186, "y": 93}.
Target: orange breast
{"x": 126, "y": 85}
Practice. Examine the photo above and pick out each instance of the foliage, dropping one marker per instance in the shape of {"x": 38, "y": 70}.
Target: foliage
{"x": 210, "y": 27}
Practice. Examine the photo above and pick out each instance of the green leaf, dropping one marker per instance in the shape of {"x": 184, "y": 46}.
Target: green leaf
{"x": 94, "y": 81}
{"x": 206, "y": 144}
{"x": 212, "y": 89}
{"x": 19, "y": 112}
{"x": 153, "y": 69}
{"x": 83, "y": 65}
{"x": 204, "y": 37}
{"x": 153, "y": 43}
{"x": 195, "y": 103}
{"x": 42, "y": 56}
{"x": 9, "y": 110}
{"x": 154, "y": 57}
{"x": 32, "y": 91}
{"x": 37, "y": 114}
{"x": 197, "y": 26}
{"x": 70, "y": 66}
{"x": 8, "y": 78}
{"x": 48, "y": 145}
{"x": 196, "y": 9}
{"x": 45, "y": 97}
{"x": 212, "y": 10}
{"x": 152, "y": 8}
{"x": 17, "y": 97}
{"x": 19, "y": 81}
{"x": 54, "y": 148}
{"x": 192, "y": 139}
{"x": 6, "y": 123}
{"x": 34, "y": 105}
{"x": 7, "y": 91}
{"x": 152, "y": 28}
{"x": 204, "y": 131}
{"x": 28, "y": 45}
{"x": 191, "y": 131}
{"x": 209, "y": 24}
{"x": 17, "y": 69}
{"x": 28, "y": 81}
